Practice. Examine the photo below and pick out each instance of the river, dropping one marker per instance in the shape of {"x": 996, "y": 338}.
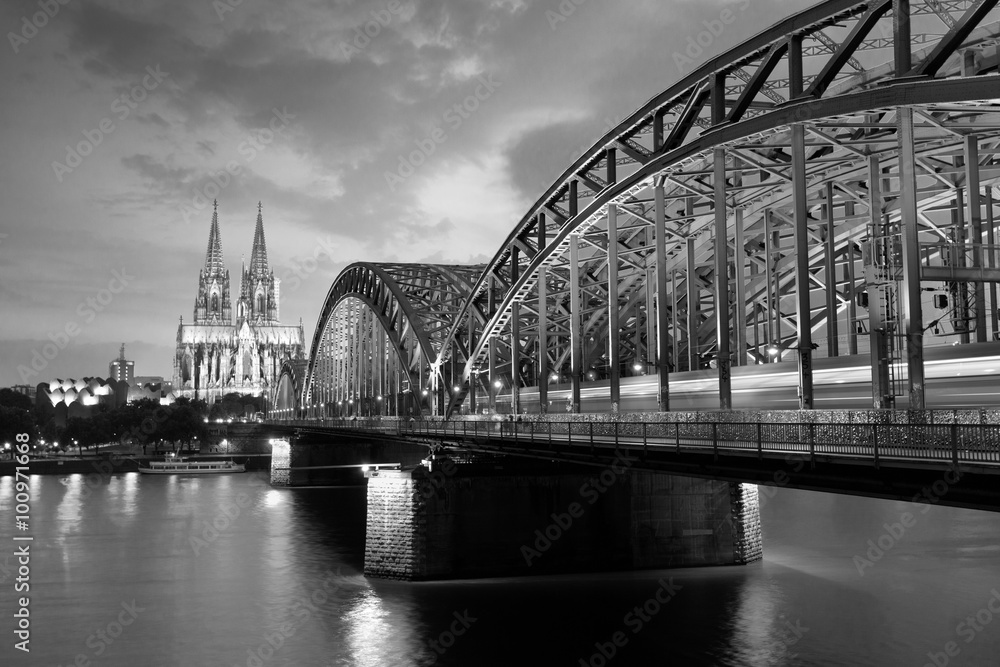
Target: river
{"x": 130, "y": 571}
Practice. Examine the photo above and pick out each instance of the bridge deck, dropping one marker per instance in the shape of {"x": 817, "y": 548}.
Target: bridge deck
{"x": 953, "y": 463}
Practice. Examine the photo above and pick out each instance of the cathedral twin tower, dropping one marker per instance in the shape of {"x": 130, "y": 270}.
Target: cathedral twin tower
{"x": 216, "y": 356}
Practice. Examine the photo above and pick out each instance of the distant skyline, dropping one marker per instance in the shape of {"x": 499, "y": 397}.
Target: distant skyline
{"x": 372, "y": 131}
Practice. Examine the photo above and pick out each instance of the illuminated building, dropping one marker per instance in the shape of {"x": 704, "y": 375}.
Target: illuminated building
{"x": 120, "y": 369}
{"x": 216, "y": 356}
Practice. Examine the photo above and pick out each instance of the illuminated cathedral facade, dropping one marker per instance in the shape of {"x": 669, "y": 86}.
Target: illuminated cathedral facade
{"x": 216, "y": 354}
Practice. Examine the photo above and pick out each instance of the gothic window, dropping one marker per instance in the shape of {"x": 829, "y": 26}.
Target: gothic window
{"x": 260, "y": 303}
{"x": 215, "y": 303}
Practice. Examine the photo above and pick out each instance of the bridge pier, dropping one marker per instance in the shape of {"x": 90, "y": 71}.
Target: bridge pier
{"x": 454, "y": 520}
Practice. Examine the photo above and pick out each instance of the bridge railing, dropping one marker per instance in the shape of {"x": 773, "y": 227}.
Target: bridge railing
{"x": 954, "y": 443}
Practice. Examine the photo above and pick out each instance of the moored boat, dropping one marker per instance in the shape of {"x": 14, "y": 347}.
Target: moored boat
{"x": 184, "y": 467}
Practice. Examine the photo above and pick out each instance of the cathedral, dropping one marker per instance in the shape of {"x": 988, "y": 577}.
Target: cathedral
{"x": 217, "y": 356}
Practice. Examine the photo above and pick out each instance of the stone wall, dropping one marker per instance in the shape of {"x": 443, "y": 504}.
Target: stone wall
{"x": 395, "y": 536}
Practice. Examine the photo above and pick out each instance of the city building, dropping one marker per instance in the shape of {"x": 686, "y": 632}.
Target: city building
{"x": 81, "y": 397}
{"x": 25, "y": 389}
{"x": 121, "y": 369}
{"x": 217, "y": 355}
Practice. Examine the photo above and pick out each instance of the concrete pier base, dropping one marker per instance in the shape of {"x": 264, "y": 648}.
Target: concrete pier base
{"x": 469, "y": 520}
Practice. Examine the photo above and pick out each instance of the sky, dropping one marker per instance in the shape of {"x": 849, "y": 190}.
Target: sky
{"x": 382, "y": 131}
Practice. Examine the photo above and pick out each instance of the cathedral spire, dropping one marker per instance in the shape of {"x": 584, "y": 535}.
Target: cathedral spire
{"x": 258, "y": 286}
{"x": 213, "y": 257}
{"x": 258, "y": 256}
{"x": 213, "y": 304}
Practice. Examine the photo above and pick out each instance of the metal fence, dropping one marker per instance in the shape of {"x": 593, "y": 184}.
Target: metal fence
{"x": 955, "y": 443}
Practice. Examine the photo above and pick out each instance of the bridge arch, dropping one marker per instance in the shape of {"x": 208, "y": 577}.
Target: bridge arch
{"x": 817, "y": 187}
{"x": 286, "y": 400}
{"x": 379, "y": 336}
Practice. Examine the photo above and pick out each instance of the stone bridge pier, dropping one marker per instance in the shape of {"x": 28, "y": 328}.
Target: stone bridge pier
{"x": 456, "y": 519}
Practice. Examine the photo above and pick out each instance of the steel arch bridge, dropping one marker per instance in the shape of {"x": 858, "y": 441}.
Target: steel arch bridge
{"x": 824, "y": 189}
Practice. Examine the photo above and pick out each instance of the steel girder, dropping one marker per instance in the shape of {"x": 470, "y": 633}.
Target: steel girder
{"x": 844, "y": 129}
{"x": 379, "y": 334}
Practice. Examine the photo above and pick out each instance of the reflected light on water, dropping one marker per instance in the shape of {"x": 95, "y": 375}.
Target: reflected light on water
{"x": 273, "y": 497}
{"x": 68, "y": 511}
{"x": 68, "y": 517}
{"x": 368, "y": 633}
{"x": 759, "y": 637}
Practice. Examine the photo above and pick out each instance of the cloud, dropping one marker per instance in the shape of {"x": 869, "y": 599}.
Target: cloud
{"x": 355, "y": 113}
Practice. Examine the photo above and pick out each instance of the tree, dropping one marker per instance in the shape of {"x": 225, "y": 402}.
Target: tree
{"x": 235, "y": 406}
{"x": 14, "y": 399}
{"x": 184, "y": 423}
{"x": 79, "y": 431}
{"x": 14, "y": 421}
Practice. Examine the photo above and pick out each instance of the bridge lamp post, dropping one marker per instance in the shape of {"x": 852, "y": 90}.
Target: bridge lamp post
{"x": 497, "y": 385}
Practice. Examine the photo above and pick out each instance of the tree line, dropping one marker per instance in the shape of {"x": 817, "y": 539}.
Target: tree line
{"x": 141, "y": 422}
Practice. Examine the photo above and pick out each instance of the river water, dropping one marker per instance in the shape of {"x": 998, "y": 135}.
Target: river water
{"x": 127, "y": 572}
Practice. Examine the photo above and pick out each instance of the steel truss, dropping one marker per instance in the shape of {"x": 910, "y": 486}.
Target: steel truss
{"x": 812, "y": 192}
{"x": 381, "y": 330}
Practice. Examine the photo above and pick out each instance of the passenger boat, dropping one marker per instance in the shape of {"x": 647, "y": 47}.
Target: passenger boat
{"x": 184, "y": 467}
